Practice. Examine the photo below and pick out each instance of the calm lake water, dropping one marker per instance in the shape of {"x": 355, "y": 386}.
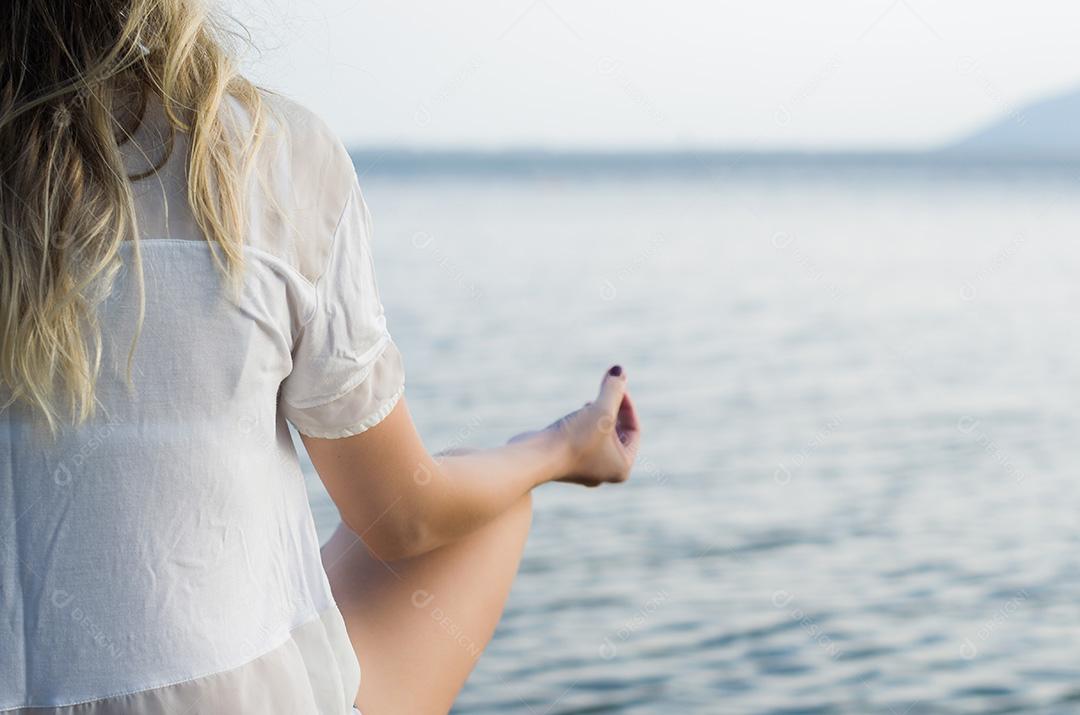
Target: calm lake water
{"x": 860, "y": 485}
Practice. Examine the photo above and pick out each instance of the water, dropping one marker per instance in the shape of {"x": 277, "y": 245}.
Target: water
{"x": 858, "y": 490}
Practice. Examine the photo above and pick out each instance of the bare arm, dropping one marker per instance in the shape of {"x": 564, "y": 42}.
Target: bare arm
{"x": 403, "y": 502}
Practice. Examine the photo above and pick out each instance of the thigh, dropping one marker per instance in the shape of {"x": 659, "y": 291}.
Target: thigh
{"x": 419, "y": 625}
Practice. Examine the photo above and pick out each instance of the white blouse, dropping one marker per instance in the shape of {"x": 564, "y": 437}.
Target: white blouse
{"x": 162, "y": 558}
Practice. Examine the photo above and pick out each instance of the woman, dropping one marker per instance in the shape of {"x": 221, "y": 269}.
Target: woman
{"x": 186, "y": 267}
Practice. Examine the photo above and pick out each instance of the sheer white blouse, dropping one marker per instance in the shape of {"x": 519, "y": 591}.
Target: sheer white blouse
{"x": 163, "y": 558}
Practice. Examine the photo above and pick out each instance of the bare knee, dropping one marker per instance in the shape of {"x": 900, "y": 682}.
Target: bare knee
{"x": 522, "y": 510}
{"x": 466, "y": 584}
{"x": 511, "y": 528}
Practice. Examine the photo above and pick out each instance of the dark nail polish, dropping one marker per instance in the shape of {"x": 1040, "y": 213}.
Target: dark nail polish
{"x": 615, "y": 371}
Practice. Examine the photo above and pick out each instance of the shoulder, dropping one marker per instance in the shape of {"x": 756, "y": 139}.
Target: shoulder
{"x": 302, "y": 180}
{"x": 310, "y": 136}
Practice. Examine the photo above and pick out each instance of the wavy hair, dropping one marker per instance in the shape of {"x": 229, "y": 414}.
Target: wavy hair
{"x": 75, "y": 79}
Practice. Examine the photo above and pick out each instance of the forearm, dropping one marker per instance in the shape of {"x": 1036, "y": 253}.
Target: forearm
{"x": 463, "y": 491}
{"x": 403, "y": 502}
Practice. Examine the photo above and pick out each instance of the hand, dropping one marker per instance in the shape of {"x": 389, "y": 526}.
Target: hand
{"x": 602, "y": 438}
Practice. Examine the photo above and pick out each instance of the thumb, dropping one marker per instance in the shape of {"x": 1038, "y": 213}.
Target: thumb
{"x": 612, "y": 390}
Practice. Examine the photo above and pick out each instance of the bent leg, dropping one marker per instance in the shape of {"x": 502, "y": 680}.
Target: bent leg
{"x": 419, "y": 625}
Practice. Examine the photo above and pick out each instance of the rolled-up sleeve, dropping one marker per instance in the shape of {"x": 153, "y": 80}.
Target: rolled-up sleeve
{"x": 347, "y": 373}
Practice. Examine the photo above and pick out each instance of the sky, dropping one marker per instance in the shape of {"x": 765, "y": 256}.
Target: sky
{"x": 645, "y": 74}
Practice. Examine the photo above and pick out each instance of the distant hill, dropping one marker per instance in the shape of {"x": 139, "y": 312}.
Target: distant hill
{"x": 1045, "y": 133}
{"x": 1046, "y": 129}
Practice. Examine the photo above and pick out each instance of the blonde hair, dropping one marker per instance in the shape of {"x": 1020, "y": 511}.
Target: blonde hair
{"x": 75, "y": 78}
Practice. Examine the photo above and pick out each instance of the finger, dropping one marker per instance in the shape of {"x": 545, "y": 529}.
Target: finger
{"x": 628, "y": 427}
{"x": 612, "y": 390}
{"x": 631, "y": 442}
{"x": 627, "y": 418}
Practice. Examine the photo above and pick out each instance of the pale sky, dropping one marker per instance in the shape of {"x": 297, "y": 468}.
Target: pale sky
{"x": 764, "y": 74}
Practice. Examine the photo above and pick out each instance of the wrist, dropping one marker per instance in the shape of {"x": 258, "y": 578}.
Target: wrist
{"x": 557, "y": 455}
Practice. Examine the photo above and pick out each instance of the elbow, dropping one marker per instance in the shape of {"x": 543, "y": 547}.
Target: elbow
{"x": 392, "y": 549}
{"x": 394, "y": 540}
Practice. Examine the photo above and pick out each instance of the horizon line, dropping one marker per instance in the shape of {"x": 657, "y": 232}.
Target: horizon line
{"x": 533, "y": 160}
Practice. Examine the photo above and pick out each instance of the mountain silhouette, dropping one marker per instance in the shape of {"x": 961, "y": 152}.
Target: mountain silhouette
{"x": 1045, "y": 129}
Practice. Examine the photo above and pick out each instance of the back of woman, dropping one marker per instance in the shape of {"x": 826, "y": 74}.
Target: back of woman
{"x": 161, "y": 552}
